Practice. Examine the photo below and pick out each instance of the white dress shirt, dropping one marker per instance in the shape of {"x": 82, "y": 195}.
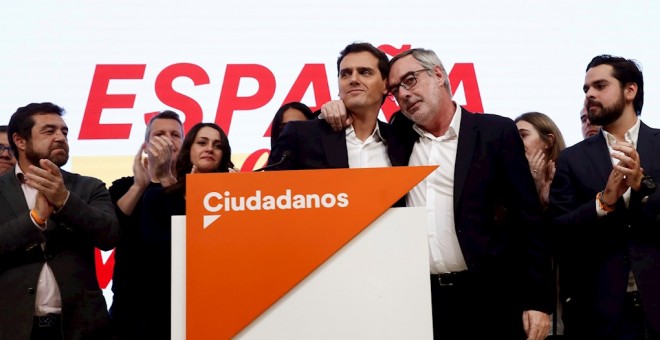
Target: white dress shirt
{"x": 631, "y": 137}
{"x": 48, "y": 298}
{"x": 436, "y": 194}
{"x": 372, "y": 153}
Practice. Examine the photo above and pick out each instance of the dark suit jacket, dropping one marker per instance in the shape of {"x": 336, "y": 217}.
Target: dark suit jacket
{"x": 597, "y": 254}
{"x": 497, "y": 211}
{"x": 87, "y": 220}
{"x": 314, "y": 145}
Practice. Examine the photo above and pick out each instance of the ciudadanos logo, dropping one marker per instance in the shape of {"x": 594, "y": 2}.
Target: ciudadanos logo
{"x": 280, "y": 225}
{"x": 216, "y": 203}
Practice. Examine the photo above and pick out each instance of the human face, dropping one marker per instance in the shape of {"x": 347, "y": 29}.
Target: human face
{"x": 531, "y": 138}
{"x": 605, "y": 98}
{"x": 48, "y": 140}
{"x": 588, "y": 129}
{"x": 290, "y": 115}
{"x": 7, "y": 160}
{"x": 206, "y": 150}
{"x": 171, "y": 129}
{"x": 361, "y": 86}
{"x": 421, "y": 102}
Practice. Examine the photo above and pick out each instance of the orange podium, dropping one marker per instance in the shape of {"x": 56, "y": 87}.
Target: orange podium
{"x": 274, "y": 245}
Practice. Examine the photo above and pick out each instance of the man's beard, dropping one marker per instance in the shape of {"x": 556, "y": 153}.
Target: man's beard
{"x": 607, "y": 114}
{"x": 34, "y": 157}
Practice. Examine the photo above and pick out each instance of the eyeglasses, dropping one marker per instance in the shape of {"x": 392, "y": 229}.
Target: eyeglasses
{"x": 408, "y": 82}
{"x": 5, "y": 147}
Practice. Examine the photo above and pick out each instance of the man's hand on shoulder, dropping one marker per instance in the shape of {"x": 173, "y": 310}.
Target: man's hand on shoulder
{"x": 334, "y": 113}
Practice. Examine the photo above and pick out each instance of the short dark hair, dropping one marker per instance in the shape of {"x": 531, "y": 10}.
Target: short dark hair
{"x": 183, "y": 163}
{"x": 3, "y": 128}
{"x": 279, "y": 116}
{"x": 356, "y": 47}
{"x": 21, "y": 122}
{"x": 166, "y": 114}
{"x": 626, "y": 71}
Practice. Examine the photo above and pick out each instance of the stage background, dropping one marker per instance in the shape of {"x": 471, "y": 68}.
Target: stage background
{"x": 108, "y": 63}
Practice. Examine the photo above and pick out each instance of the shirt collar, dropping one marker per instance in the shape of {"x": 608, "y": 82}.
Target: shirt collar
{"x": 350, "y": 133}
{"x": 631, "y": 135}
{"x": 20, "y": 176}
{"x": 452, "y": 131}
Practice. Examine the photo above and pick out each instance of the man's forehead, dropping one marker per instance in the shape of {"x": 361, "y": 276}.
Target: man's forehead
{"x": 404, "y": 65}
{"x": 42, "y": 119}
{"x": 163, "y": 125}
{"x": 3, "y": 137}
{"x": 598, "y": 73}
{"x": 358, "y": 59}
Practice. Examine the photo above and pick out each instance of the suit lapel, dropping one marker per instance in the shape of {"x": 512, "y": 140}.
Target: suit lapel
{"x": 334, "y": 146}
{"x": 395, "y": 150}
{"x": 647, "y": 147}
{"x": 467, "y": 139}
{"x": 598, "y": 153}
{"x": 10, "y": 189}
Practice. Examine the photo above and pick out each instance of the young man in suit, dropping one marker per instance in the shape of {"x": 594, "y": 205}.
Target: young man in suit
{"x": 491, "y": 274}
{"x": 362, "y": 71}
{"x": 606, "y": 210}
{"x": 50, "y": 222}
{"x": 7, "y": 159}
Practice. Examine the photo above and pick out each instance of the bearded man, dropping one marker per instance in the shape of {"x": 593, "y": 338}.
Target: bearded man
{"x": 607, "y": 212}
{"x": 50, "y": 222}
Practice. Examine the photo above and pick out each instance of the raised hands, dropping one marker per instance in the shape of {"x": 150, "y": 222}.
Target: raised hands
{"x": 160, "y": 150}
{"x": 48, "y": 181}
{"x": 543, "y": 172}
{"x": 627, "y": 173}
{"x": 141, "y": 175}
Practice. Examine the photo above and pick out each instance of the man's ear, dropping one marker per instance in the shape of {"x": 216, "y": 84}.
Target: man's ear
{"x": 630, "y": 91}
{"x": 19, "y": 141}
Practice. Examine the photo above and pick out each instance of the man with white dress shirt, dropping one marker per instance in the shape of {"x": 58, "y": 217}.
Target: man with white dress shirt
{"x": 50, "y": 222}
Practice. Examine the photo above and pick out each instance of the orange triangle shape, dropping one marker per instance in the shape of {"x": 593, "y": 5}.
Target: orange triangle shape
{"x": 275, "y": 229}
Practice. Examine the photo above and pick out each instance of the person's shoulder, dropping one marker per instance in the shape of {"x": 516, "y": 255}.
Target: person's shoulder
{"x": 122, "y": 182}
{"x": 491, "y": 118}
{"x": 76, "y": 178}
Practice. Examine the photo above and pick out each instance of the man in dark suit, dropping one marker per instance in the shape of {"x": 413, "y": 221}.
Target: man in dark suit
{"x": 491, "y": 274}
{"x": 362, "y": 70}
{"x": 607, "y": 212}
{"x": 50, "y": 222}
{"x": 490, "y": 259}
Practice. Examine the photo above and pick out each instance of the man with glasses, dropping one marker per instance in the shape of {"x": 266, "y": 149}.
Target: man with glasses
{"x": 491, "y": 274}
{"x": 7, "y": 159}
{"x": 588, "y": 129}
{"x": 362, "y": 71}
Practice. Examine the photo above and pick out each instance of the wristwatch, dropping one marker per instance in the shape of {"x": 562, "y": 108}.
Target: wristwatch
{"x": 647, "y": 186}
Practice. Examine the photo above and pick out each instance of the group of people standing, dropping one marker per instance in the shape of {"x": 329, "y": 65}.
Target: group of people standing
{"x": 513, "y": 216}
{"x": 511, "y": 220}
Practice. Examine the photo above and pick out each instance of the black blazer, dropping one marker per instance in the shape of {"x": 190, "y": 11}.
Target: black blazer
{"x": 497, "y": 211}
{"x": 313, "y": 144}
{"x": 87, "y": 220}
{"x": 597, "y": 254}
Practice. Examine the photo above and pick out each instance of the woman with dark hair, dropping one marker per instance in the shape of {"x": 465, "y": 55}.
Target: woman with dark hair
{"x": 289, "y": 112}
{"x": 205, "y": 149}
{"x": 543, "y": 143}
